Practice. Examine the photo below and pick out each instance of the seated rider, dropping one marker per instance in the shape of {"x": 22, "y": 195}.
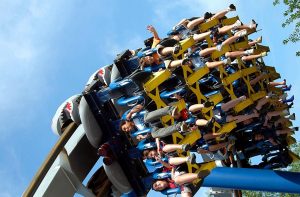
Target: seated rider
{"x": 152, "y": 119}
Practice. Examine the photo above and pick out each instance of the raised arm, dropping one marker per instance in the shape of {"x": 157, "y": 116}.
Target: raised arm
{"x": 136, "y": 109}
{"x": 153, "y": 31}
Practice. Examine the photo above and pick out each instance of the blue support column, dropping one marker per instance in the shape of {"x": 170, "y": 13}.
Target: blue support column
{"x": 254, "y": 179}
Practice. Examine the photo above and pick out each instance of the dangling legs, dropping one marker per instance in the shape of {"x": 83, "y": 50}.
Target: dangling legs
{"x": 227, "y": 106}
{"x": 199, "y": 37}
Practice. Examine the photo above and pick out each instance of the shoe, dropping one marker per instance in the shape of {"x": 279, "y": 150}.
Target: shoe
{"x": 263, "y": 54}
{"x": 288, "y": 88}
{"x": 219, "y": 47}
{"x": 209, "y": 125}
{"x": 232, "y": 7}
{"x": 237, "y": 24}
{"x": 207, "y": 15}
{"x": 242, "y": 33}
{"x": 203, "y": 173}
{"x": 259, "y": 39}
{"x": 295, "y": 129}
{"x": 192, "y": 158}
{"x": 186, "y": 61}
{"x": 227, "y": 61}
{"x": 208, "y": 104}
{"x": 289, "y": 100}
{"x": 253, "y": 24}
{"x": 184, "y": 127}
{"x": 174, "y": 111}
{"x": 249, "y": 52}
{"x": 286, "y": 112}
{"x": 185, "y": 147}
{"x": 176, "y": 49}
{"x": 283, "y": 96}
{"x": 292, "y": 117}
{"x": 290, "y": 105}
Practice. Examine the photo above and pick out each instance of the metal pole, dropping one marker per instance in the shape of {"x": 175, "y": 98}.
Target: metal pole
{"x": 39, "y": 176}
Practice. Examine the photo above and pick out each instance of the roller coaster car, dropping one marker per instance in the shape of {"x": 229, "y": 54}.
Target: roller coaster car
{"x": 66, "y": 113}
{"x": 100, "y": 123}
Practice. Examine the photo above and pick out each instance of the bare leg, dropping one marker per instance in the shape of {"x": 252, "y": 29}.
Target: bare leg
{"x": 233, "y": 38}
{"x": 185, "y": 178}
{"x": 234, "y": 54}
{"x": 240, "y": 118}
{"x": 199, "y": 37}
{"x": 227, "y": 106}
{"x": 274, "y": 113}
{"x": 186, "y": 194}
{"x": 210, "y": 136}
{"x": 261, "y": 102}
{"x": 193, "y": 23}
{"x": 257, "y": 79}
{"x": 172, "y": 147}
{"x": 273, "y": 83}
{"x": 220, "y": 14}
{"x": 217, "y": 146}
{"x": 178, "y": 160}
{"x": 214, "y": 64}
{"x": 207, "y": 51}
{"x": 175, "y": 64}
{"x": 201, "y": 122}
{"x": 196, "y": 107}
{"x": 166, "y": 51}
{"x": 283, "y": 131}
{"x": 251, "y": 57}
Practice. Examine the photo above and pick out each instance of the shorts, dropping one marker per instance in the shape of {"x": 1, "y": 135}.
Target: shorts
{"x": 185, "y": 189}
{"x": 165, "y": 43}
{"x": 178, "y": 173}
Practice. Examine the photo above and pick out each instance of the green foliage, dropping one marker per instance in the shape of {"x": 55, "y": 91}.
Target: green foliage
{"x": 294, "y": 167}
{"x": 292, "y": 15}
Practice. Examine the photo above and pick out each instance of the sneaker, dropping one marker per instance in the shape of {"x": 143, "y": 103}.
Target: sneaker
{"x": 202, "y": 174}
{"x": 290, "y": 105}
{"x": 174, "y": 111}
{"x": 295, "y": 129}
{"x": 209, "y": 125}
{"x": 237, "y": 24}
{"x": 286, "y": 112}
{"x": 242, "y": 33}
{"x": 249, "y": 52}
{"x": 253, "y": 24}
{"x": 288, "y": 88}
{"x": 192, "y": 158}
{"x": 292, "y": 117}
{"x": 219, "y": 47}
{"x": 227, "y": 61}
{"x": 284, "y": 96}
{"x": 289, "y": 100}
{"x": 176, "y": 49}
{"x": 185, "y": 147}
{"x": 183, "y": 127}
{"x": 263, "y": 54}
{"x": 259, "y": 39}
{"x": 207, "y": 15}
{"x": 186, "y": 61}
{"x": 208, "y": 104}
{"x": 232, "y": 7}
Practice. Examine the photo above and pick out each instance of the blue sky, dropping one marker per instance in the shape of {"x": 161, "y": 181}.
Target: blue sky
{"x": 48, "y": 50}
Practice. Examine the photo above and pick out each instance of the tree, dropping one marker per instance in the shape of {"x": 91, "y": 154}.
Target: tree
{"x": 294, "y": 167}
{"x": 292, "y": 15}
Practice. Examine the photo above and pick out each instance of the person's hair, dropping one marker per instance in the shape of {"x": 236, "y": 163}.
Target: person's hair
{"x": 146, "y": 152}
{"x": 121, "y": 124}
{"x": 154, "y": 181}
